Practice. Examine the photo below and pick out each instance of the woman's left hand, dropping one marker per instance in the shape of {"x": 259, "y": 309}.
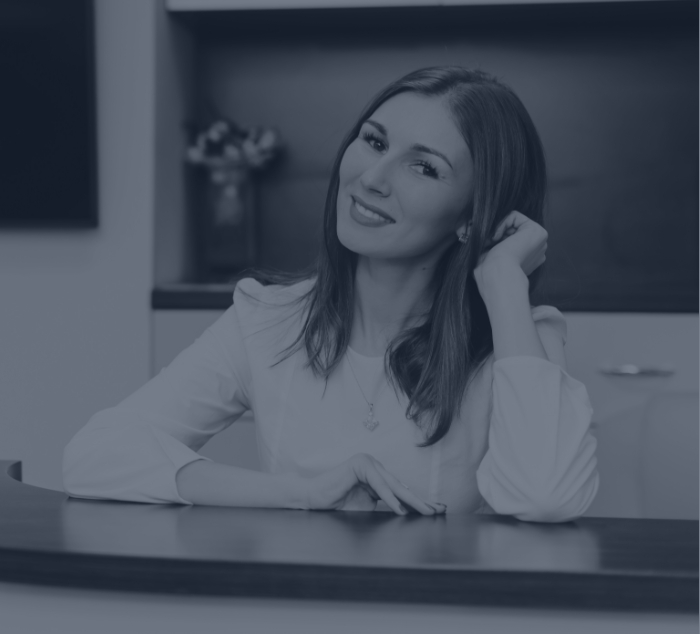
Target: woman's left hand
{"x": 518, "y": 242}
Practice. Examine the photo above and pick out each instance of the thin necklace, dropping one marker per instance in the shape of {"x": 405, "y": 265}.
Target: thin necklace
{"x": 370, "y": 421}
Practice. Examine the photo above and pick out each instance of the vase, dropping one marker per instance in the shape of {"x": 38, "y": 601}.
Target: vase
{"x": 230, "y": 232}
{"x": 230, "y": 196}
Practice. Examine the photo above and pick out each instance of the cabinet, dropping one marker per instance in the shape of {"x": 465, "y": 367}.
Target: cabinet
{"x": 647, "y": 427}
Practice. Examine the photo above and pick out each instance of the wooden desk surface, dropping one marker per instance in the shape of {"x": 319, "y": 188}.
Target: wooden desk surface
{"x": 48, "y": 538}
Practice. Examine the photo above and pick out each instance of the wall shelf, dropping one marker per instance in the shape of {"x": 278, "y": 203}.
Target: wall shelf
{"x": 243, "y": 5}
{"x": 325, "y": 18}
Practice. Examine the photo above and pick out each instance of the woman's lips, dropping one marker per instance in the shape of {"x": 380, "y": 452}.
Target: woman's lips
{"x": 376, "y": 210}
{"x": 358, "y": 216}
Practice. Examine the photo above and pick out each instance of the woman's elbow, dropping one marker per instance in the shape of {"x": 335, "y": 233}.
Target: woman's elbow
{"x": 554, "y": 510}
{"x": 119, "y": 462}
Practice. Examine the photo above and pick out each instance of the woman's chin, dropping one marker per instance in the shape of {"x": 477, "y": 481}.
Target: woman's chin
{"x": 358, "y": 246}
{"x": 351, "y": 242}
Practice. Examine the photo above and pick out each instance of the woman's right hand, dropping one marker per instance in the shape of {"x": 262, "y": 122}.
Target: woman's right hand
{"x": 357, "y": 484}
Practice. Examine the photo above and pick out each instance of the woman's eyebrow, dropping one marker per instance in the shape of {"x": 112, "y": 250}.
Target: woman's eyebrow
{"x": 416, "y": 146}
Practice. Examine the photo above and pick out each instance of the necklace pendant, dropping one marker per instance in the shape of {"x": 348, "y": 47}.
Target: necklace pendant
{"x": 371, "y": 422}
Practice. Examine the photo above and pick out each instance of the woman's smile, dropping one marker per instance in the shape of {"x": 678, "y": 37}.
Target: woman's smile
{"x": 368, "y": 217}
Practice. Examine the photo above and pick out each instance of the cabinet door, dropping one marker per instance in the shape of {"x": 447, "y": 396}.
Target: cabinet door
{"x": 174, "y": 330}
{"x": 646, "y": 426}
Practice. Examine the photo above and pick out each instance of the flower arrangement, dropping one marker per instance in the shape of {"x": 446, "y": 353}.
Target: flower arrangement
{"x": 230, "y": 154}
{"x": 224, "y": 146}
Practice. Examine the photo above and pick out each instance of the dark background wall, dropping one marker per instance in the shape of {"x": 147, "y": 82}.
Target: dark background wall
{"x": 614, "y": 96}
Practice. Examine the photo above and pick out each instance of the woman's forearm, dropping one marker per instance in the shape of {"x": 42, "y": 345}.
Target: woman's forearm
{"x": 505, "y": 294}
{"x": 216, "y": 484}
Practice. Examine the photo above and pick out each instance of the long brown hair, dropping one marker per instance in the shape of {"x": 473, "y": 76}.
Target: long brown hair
{"x": 433, "y": 362}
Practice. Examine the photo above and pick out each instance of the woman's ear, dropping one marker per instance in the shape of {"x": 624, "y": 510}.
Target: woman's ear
{"x": 464, "y": 226}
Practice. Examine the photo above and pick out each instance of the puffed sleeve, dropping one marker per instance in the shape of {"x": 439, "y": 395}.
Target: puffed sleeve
{"x": 133, "y": 451}
{"x": 540, "y": 464}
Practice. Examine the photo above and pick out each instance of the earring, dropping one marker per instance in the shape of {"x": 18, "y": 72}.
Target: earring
{"x": 464, "y": 235}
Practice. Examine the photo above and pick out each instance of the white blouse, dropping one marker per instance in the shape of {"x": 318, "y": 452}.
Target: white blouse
{"x": 521, "y": 444}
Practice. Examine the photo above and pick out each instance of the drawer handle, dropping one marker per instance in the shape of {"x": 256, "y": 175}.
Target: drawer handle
{"x": 629, "y": 369}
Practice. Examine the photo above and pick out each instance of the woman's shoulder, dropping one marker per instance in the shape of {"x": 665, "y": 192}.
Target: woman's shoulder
{"x": 260, "y": 307}
{"x": 250, "y": 291}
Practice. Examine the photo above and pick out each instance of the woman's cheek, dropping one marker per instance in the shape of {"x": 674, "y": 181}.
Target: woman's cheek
{"x": 351, "y": 165}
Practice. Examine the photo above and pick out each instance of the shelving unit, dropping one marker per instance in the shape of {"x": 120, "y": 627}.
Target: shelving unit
{"x": 566, "y": 60}
{"x": 238, "y": 5}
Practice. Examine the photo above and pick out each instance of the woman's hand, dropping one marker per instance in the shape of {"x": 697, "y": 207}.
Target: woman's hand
{"x": 517, "y": 242}
{"x": 357, "y": 484}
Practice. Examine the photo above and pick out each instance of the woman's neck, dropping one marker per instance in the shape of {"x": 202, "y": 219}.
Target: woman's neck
{"x": 389, "y": 298}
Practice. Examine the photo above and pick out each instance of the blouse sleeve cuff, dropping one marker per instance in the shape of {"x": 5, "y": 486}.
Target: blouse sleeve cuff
{"x": 178, "y": 455}
{"x": 541, "y": 458}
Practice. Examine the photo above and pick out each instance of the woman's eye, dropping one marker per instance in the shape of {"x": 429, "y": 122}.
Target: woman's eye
{"x": 372, "y": 138}
{"x": 430, "y": 170}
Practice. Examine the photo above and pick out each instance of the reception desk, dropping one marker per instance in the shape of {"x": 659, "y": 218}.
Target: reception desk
{"x": 117, "y": 565}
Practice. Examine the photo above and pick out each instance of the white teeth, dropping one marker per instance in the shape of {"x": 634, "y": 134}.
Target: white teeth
{"x": 369, "y": 213}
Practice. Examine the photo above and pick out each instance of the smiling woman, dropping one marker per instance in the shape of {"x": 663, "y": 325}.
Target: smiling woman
{"x": 433, "y": 242}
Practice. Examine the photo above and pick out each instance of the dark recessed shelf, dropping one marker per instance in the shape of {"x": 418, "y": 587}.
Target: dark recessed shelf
{"x": 600, "y": 55}
{"x": 192, "y": 297}
{"x": 465, "y": 20}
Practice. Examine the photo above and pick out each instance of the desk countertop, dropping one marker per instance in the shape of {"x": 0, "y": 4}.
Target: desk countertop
{"x": 48, "y": 538}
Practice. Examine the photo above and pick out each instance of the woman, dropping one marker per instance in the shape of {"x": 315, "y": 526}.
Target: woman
{"x": 433, "y": 242}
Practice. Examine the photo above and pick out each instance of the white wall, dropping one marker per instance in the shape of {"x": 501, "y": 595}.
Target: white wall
{"x": 75, "y": 309}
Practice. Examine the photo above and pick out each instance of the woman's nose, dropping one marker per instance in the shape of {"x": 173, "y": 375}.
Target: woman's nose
{"x": 376, "y": 178}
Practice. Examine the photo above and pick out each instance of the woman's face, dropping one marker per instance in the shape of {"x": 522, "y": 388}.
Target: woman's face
{"x": 411, "y": 164}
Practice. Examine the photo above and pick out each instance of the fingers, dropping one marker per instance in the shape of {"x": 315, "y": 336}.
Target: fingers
{"x": 509, "y": 225}
{"x": 391, "y": 490}
{"x": 513, "y": 223}
{"x": 377, "y": 482}
{"x": 405, "y": 494}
